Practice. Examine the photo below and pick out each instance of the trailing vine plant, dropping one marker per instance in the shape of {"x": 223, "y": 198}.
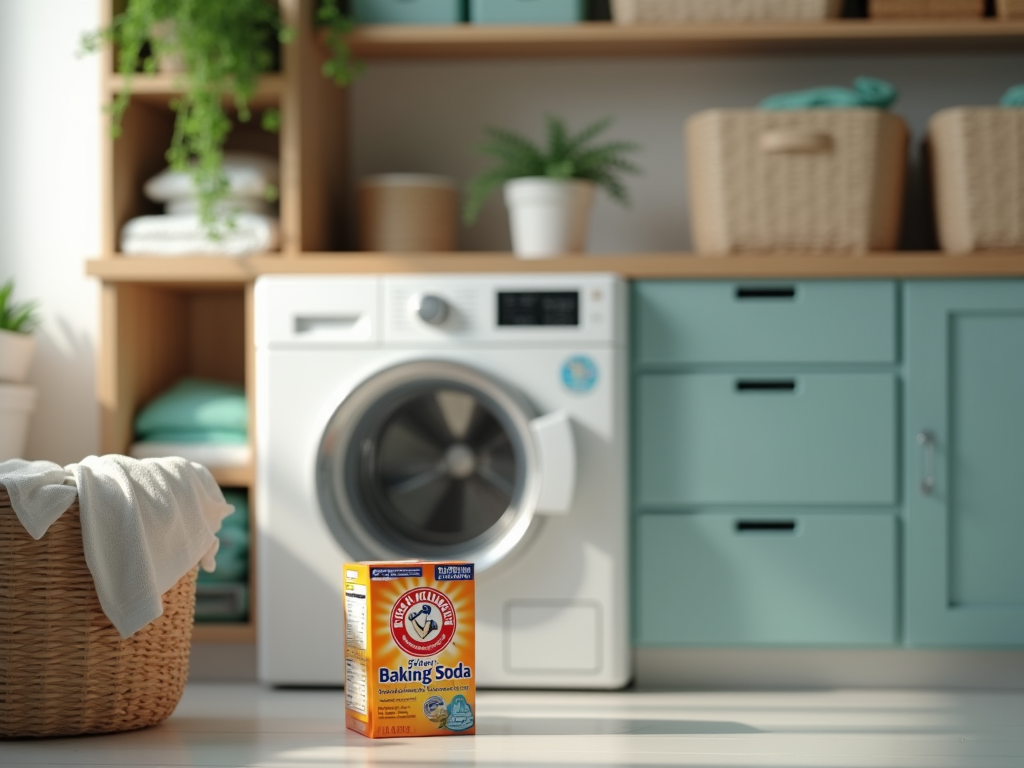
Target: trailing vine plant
{"x": 224, "y": 47}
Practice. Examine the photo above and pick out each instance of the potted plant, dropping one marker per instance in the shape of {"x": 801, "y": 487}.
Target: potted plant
{"x": 17, "y": 322}
{"x": 219, "y": 49}
{"x": 549, "y": 190}
{"x": 17, "y": 400}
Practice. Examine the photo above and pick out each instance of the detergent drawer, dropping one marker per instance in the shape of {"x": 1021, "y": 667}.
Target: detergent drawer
{"x": 767, "y": 578}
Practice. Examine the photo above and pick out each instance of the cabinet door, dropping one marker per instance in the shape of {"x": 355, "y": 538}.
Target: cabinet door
{"x": 964, "y": 456}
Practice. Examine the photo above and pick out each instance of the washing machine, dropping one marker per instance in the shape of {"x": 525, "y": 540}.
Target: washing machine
{"x": 459, "y": 417}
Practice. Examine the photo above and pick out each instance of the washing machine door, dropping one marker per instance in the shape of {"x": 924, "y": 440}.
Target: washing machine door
{"x": 437, "y": 460}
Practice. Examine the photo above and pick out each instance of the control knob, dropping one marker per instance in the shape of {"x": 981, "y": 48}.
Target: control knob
{"x": 431, "y": 309}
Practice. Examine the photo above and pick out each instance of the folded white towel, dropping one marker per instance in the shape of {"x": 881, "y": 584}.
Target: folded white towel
{"x": 248, "y": 175}
{"x": 184, "y": 235}
{"x": 145, "y": 523}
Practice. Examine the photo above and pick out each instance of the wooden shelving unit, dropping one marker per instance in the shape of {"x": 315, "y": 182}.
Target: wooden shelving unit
{"x": 163, "y": 318}
{"x": 606, "y": 39}
{"x": 897, "y": 264}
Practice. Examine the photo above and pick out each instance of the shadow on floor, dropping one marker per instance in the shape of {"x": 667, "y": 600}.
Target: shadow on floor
{"x": 568, "y": 726}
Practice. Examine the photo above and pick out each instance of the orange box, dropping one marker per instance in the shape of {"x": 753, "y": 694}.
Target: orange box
{"x": 410, "y": 648}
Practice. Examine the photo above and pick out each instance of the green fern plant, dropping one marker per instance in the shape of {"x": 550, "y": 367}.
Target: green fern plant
{"x": 566, "y": 156}
{"x": 19, "y": 318}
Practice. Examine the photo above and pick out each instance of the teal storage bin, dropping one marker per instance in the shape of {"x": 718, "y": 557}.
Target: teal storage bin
{"x": 527, "y": 11}
{"x": 407, "y": 11}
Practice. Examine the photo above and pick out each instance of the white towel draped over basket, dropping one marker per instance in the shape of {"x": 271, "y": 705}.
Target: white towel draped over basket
{"x": 145, "y": 523}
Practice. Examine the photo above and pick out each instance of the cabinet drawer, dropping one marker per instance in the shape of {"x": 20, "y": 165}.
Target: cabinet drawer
{"x": 717, "y": 579}
{"x": 759, "y": 439}
{"x": 757, "y": 322}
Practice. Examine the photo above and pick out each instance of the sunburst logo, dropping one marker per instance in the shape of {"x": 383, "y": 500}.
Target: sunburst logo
{"x": 423, "y": 622}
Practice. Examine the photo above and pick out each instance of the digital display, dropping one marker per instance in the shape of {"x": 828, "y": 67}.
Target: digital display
{"x": 537, "y": 308}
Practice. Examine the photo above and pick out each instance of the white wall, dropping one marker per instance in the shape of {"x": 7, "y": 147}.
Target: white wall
{"x": 50, "y": 209}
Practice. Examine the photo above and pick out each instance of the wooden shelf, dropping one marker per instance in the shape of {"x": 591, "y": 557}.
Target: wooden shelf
{"x": 223, "y": 633}
{"x": 604, "y": 39}
{"x": 901, "y": 264}
{"x": 233, "y": 477}
{"x": 160, "y": 88}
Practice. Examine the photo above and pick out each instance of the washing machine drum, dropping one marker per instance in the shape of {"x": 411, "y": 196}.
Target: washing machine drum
{"x": 436, "y": 460}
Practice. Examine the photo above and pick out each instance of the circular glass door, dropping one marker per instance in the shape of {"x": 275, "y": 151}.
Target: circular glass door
{"x": 428, "y": 460}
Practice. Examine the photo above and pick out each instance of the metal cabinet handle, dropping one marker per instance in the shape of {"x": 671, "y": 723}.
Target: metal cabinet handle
{"x": 926, "y": 440}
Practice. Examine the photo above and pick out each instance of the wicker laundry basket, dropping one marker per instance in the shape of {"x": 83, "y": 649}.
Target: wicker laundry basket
{"x": 823, "y": 180}
{"x": 1010, "y": 9}
{"x": 918, "y": 9}
{"x": 640, "y": 11}
{"x": 977, "y": 156}
{"x": 64, "y": 669}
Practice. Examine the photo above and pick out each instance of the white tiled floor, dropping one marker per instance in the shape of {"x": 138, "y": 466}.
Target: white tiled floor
{"x": 245, "y": 725}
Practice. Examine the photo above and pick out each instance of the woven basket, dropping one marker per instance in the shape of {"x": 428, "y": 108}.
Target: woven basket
{"x": 827, "y": 180}
{"x": 634, "y": 11}
{"x": 64, "y": 670}
{"x": 1010, "y": 9}
{"x": 977, "y": 156}
{"x": 917, "y": 9}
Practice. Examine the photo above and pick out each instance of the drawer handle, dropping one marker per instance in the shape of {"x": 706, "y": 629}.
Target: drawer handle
{"x": 766, "y": 526}
{"x": 766, "y": 385}
{"x": 927, "y": 442}
{"x": 795, "y": 141}
{"x": 766, "y": 292}
{"x": 314, "y": 323}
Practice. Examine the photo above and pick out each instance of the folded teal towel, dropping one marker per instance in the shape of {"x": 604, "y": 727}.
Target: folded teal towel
{"x": 207, "y": 436}
{"x": 866, "y": 92}
{"x": 194, "y": 407}
{"x": 1013, "y": 97}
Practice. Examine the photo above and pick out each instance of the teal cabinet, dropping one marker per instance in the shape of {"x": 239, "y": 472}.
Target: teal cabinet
{"x": 767, "y": 578}
{"x": 756, "y": 438}
{"x": 756, "y": 322}
{"x": 964, "y": 460}
{"x": 766, "y": 472}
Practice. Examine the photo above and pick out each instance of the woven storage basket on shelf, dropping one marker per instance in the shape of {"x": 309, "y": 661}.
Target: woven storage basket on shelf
{"x": 64, "y": 669}
{"x": 918, "y": 9}
{"x": 1010, "y": 9}
{"x": 828, "y": 180}
{"x": 977, "y": 156}
{"x": 634, "y": 11}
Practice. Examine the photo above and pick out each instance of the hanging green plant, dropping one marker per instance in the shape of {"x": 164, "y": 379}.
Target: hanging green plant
{"x": 223, "y": 47}
{"x": 340, "y": 67}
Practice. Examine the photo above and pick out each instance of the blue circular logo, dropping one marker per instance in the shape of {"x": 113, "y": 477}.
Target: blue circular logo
{"x": 579, "y": 373}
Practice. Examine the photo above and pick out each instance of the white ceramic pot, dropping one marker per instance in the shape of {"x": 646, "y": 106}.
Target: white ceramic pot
{"x": 17, "y": 402}
{"x": 15, "y": 356}
{"x": 548, "y": 217}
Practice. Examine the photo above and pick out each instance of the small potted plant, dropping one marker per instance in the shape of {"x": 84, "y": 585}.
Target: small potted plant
{"x": 549, "y": 190}
{"x": 17, "y": 400}
{"x": 17, "y": 322}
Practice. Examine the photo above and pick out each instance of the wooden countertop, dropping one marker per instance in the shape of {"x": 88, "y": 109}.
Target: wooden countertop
{"x": 904, "y": 264}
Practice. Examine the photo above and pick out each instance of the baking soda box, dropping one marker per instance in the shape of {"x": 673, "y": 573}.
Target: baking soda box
{"x": 410, "y": 649}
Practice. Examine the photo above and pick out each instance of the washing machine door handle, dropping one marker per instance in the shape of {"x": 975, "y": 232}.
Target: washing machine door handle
{"x": 556, "y": 450}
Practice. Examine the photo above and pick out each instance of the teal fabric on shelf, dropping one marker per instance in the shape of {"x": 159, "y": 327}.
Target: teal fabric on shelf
{"x": 866, "y": 92}
{"x": 207, "y": 436}
{"x": 527, "y": 11}
{"x": 1013, "y": 97}
{"x": 408, "y": 11}
{"x": 195, "y": 407}
{"x": 233, "y": 554}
